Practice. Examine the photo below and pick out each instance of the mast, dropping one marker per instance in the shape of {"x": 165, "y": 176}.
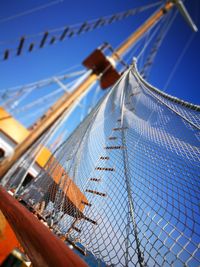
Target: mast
{"x": 66, "y": 101}
{"x": 133, "y": 38}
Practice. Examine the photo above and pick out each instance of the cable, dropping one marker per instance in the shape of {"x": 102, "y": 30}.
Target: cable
{"x": 27, "y": 12}
{"x": 158, "y": 42}
{"x": 148, "y": 42}
{"x": 178, "y": 61}
{"x": 4, "y": 93}
{"x": 50, "y": 37}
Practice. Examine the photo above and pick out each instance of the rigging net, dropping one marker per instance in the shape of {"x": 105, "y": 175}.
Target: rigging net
{"x": 136, "y": 160}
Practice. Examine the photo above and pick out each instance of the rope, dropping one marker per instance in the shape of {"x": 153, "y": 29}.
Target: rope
{"x": 4, "y": 92}
{"x": 162, "y": 93}
{"x": 151, "y": 89}
{"x": 11, "y": 98}
{"x": 39, "y": 101}
{"x": 151, "y": 32}
{"x": 53, "y": 36}
{"x": 128, "y": 185}
{"x": 43, "y": 101}
{"x": 150, "y": 39}
{"x": 158, "y": 42}
{"x": 30, "y": 11}
{"x": 187, "y": 45}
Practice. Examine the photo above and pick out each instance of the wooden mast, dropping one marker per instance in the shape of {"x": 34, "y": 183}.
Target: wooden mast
{"x": 133, "y": 38}
{"x": 67, "y": 100}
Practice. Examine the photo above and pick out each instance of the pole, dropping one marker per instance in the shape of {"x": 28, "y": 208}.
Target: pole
{"x": 67, "y": 100}
{"x": 133, "y": 38}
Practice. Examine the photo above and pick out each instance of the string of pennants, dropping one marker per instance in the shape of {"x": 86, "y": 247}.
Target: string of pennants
{"x": 38, "y": 41}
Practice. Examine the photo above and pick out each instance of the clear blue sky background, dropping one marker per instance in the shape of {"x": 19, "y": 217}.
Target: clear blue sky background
{"x": 46, "y": 62}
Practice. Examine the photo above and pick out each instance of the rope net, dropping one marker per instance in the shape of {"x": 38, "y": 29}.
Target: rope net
{"x": 127, "y": 180}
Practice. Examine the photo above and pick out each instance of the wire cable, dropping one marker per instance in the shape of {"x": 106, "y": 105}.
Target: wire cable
{"x": 174, "y": 69}
{"x": 30, "y": 11}
{"x": 50, "y": 37}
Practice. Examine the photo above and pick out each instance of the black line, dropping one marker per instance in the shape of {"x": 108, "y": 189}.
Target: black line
{"x": 112, "y": 19}
{"x": 82, "y": 27}
{"x": 64, "y": 34}
{"x": 31, "y": 47}
{"x": 21, "y": 43}
{"x": 44, "y": 39}
{"x": 53, "y": 39}
{"x": 6, "y": 54}
{"x": 98, "y": 23}
{"x": 71, "y": 34}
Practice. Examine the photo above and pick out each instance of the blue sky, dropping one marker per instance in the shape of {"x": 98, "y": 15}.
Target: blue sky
{"x": 50, "y": 60}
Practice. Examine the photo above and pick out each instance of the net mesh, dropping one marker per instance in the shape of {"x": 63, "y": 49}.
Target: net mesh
{"x": 127, "y": 186}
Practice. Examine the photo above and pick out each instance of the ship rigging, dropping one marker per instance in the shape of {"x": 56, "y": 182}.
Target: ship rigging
{"x": 114, "y": 189}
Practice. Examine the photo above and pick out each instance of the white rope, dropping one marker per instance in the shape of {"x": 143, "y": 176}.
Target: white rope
{"x": 43, "y": 82}
{"x": 151, "y": 89}
{"x": 68, "y": 87}
{"x": 30, "y": 11}
{"x": 78, "y": 25}
{"x": 165, "y": 30}
{"x": 187, "y": 45}
{"x": 146, "y": 38}
{"x": 134, "y": 49}
{"x": 150, "y": 39}
{"x": 39, "y": 101}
